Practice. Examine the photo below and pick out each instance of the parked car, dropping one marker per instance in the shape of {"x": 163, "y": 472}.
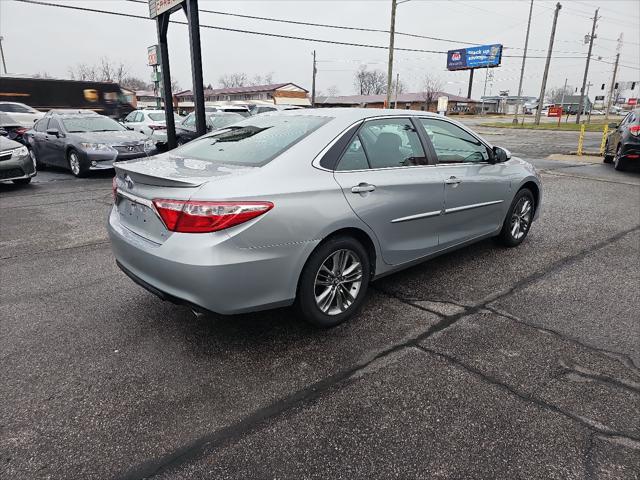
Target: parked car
{"x": 146, "y": 121}
{"x": 24, "y": 114}
{"x": 83, "y": 141}
{"x": 15, "y": 163}
{"x": 622, "y": 146}
{"x": 186, "y": 130}
{"x": 13, "y": 128}
{"x": 258, "y": 109}
{"x": 308, "y": 207}
{"x": 239, "y": 109}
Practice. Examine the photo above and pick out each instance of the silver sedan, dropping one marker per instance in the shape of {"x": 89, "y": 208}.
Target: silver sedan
{"x": 307, "y": 207}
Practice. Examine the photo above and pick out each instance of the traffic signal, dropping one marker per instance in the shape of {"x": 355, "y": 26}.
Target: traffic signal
{"x": 633, "y": 85}
{"x": 602, "y": 88}
{"x": 615, "y": 87}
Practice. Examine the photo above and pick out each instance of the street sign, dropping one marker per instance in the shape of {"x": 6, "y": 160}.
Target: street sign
{"x": 554, "y": 112}
{"x": 474, "y": 57}
{"x": 443, "y": 103}
{"x": 156, "y": 7}
{"x": 632, "y": 101}
{"x": 152, "y": 55}
{"x": 599, "y": 98}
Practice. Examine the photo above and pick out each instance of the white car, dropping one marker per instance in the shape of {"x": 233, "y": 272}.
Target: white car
{"x": 21, "y": 113}
{"x": 147, "y": 121}
{"x": 239, "y": 109}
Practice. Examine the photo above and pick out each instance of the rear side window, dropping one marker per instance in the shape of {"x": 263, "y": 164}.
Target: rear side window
{"x": 390, "y": 143}
{"x": 41, "y": 125}
{"x": 157, "y": 117}
{"x": 354, "y": 157}
{"x": 253, "y": 142}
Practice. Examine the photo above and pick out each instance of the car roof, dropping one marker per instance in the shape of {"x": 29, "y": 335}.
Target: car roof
{"x": 71, "y": 111}
{"x": 354, "y": 114}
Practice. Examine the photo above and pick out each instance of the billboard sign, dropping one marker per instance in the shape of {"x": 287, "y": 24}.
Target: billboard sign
{"x": 484, "y": 56}
{"x": 632, "y": 101}
{"x": 152, "y": 55}
{"x": 156, "y": 7}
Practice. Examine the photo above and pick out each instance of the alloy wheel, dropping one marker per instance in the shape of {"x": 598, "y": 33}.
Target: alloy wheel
{"x": 521, "y": 218}
{"x": 338, "y": 281}
{"x": 74, "y": 163}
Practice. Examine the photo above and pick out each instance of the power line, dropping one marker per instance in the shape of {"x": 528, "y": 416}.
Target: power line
{"x": 347, "y": 27}
{"x": 253, "y": 32}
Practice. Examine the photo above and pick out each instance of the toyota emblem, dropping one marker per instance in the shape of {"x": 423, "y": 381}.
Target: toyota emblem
{"x": 131, "y": 149}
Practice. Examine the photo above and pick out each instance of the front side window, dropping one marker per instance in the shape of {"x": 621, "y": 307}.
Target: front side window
{"x": 190, "y": 121}
{"x": 53, "y": 124}
{"x": 130, "y": 117}
{"x": 391, "y": 142}
{"x": 452, "y": 144}
{"x": 253, "y": 142}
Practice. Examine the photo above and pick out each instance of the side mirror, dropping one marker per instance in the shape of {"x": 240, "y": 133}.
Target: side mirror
{"x": 613, "y": 125}
{"x": 53, "y": 131}
{"x": 3, "y": 132}
{"x": 501, "y": 154}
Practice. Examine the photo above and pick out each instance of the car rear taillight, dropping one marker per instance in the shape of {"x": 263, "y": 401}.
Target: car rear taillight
{"x": 203, "y": 217}
{"x": 158, "y": 127}
{"x": 634, "y": 130}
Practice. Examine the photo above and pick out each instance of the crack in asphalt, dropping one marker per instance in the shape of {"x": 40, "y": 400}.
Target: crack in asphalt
{"x": 207, "y": 443}
{"x": 591, "y": 425}
{"x": 576, "y": 370}
{"x": 97, "y": 198}
{"x": 42, "y": 252}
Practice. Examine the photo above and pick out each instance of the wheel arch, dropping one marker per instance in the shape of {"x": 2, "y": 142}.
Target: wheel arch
{"x": 535, "y": 189}
{"x": 363, "y": 237}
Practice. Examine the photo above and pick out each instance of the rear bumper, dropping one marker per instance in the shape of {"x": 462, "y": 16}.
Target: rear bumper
{"x": 631, "y": 150}
{"x": 209, "y": 271}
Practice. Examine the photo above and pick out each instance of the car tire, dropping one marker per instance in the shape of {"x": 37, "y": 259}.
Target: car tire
{"x": 22, "y": 181}
{"x": 518, "y": 220}
{"x": 618, "y": 161}
{"x": 324, "y": 289}
{"x": 608, "y": 158}
{"x": 76, "y": 164}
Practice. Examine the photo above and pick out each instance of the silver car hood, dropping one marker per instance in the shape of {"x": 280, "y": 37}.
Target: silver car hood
{"x": 111, "y": 138}
{"x": 169, "y": 169}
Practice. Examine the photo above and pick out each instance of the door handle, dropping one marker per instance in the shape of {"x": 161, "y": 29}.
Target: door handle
{"x": 363, "y": 188}
{"x": 453, "y": 181}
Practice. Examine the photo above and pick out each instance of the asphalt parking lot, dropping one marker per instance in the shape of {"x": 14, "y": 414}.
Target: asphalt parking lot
{"x": 483, "y": 363}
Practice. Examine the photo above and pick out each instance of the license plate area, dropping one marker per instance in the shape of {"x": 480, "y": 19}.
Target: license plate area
{"x": 141, "y": 219}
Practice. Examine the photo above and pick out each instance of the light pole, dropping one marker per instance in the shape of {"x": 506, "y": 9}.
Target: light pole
{"x": 4, "y": 65}
{"x": 524, "y": 58}
{"x": 392, "y": 32}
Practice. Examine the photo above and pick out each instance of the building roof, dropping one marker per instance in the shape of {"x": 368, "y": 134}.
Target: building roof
{"x": 248, "y": 89}
{"x": 402, "y": 98}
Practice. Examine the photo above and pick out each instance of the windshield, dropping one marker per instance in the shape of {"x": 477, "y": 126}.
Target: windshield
{"x": 219, "y": 121}
{"x": 157, "y": 117}
{"x": 253, "y": 142}
{"x": 91, "y": 124}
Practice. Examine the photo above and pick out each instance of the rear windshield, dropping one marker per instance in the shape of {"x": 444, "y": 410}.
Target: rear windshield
{"x": 157, "y": 117}
{"x": 254, "y": 141}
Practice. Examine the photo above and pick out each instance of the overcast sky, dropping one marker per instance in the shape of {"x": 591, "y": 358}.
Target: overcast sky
{"x": 46, "y": 39}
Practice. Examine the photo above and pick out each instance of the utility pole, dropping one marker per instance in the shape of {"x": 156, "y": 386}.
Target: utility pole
{"x": 4, "y": 65}
{"x": 524, "y": 59}
{"x": 313, "y": 82}
{"x": 586, "y": 68}
{"x": 613, "y": 79}
{"x": 397, "y": 83}
{"x": 392, "y": 32}
{"x": 546, "y": 66}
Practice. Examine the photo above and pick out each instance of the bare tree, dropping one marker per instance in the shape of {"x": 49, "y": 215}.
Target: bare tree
{"x": 431, "y": 89}
{"x": 555, "y": 95}
{"x": 134, "y": 83}
{"x": 175, "y": 86}
{"x": 106, "y": 70}
{"x": 401, "y": 87}
{"x": 262, "y": 80}
{"x": 231, "y": 80}
{"x": 370, "y": 82}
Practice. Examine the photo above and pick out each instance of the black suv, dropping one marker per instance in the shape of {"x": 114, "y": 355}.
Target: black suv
{"x": 623, "y": 142}
{"x": 83, "y": 140}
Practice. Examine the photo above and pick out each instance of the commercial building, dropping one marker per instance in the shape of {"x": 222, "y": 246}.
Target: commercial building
{"x": 507, "y": 104}
{"x": 276, "y": 93}
{"x": 406, "y": 101}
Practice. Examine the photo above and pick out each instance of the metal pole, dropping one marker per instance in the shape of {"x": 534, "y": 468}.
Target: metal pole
{"x": 586, "y": 68}
{"x": 563, "y": 92}
{"x": 4, "y": 65}
{"x": 313, "y": 82}
{"x": 162, "y": 23}
{"x": 392, "y": 31}
{"x": 546, "y": 66}
{"x": 613, "y": 82}
{"x": 470, "y": 83}
{"x": 589, "y": 116}
{"x": 524, "y": 58}
{"x": 397, "y": 82}
{"x": 156, "y": 87}
{"x": 484, "y": 93}
{"x": 191, "y": 10}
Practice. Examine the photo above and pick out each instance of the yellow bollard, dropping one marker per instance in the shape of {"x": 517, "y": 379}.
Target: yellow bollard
{"x": 581, "y": 139}
{"x": 604, "y": 139}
